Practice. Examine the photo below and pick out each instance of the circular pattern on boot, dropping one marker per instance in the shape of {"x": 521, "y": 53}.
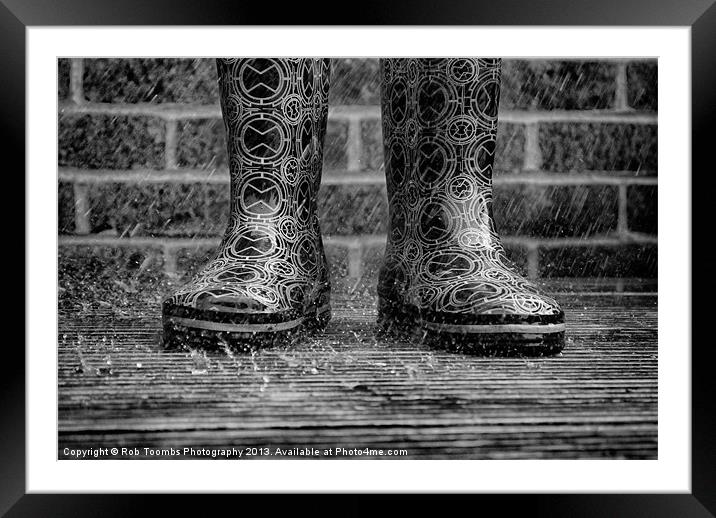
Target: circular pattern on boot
{"x": 259, "y": 81}
{"x": 444, "y": 256}
{"x": 271, "y": 259}
{"x": 435, "y": 162}
{"x": 263, "y": 138}
{"x": 262, "y": 195}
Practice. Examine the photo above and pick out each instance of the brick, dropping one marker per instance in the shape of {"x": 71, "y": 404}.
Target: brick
{"x": 372, "y": 262}
{"x": 151, "y": 81}
{"x": 63, "y": 79}
{"x": 337, "y": 257}
{"x": 642, "y": 208}
{"x": 158, "y": 210}
{"x": 600, "y": 261}
{"x": 110, "y": 142}
{"x": 110, "y": 278}
{"x": 602, "y": 284}
{"x": 353, "y": 209}
{"x": 65, "y": 208}
{"x": 518, "y": 255}
{"x": 600, "y": 147}
{"x": 557, "y": 85}
{"x": 335, "y": 145}
{"x": 201, "y": 144}
{"x": 189, "y": 260}
{"x": 510, "y": 146}
{"x": 371, "y": 157}
{"x": 355, "y": 81}
{"x": 642, "y": 85}
{"x": 555, "y": 211}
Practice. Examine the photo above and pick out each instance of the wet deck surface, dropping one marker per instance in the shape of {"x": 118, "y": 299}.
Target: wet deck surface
{"x": 348, "y": 388}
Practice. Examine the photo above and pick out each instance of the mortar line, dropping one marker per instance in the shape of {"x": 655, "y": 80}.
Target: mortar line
{"x": 621, "y": 93}
{"x": 341, "y": 177}
{"x": 338, "y": 113}
{"x": 81, "y": 209}
{"x": 170, "y": 145}
{"x": 622, "y": 214}
{"x": 355, "y": 261}
{"x": 533, "y": 262}
{"x": 169, "y": 262}
{"x": 532, "y": 151}
{"x": 354, "y": 144}
{"x": 76, "y": 81}
{"x": 358, "y": 240}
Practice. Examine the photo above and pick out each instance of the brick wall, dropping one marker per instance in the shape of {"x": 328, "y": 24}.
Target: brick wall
{"x": 143, "y": 181}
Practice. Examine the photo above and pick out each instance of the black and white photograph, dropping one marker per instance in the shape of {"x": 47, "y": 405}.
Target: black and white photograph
{"x": 394, "y": 258}
{"x": 455, "y": 240}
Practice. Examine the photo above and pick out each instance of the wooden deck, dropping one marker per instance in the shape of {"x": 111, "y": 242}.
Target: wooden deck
{"x": 347, "y": 388}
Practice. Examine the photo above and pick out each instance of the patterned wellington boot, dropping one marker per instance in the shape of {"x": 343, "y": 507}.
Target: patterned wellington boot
{"x": 269, "y": 279}
{"x": 445, "y": 272}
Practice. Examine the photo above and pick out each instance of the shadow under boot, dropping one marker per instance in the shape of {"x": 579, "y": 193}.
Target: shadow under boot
{"x": 446, "y": 279}
{"x": 268, "y": 281}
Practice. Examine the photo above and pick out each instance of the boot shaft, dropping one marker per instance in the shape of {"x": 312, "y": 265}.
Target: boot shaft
{"x": 439, "y": 130}
{"x": 271, "y": 260}
{"x": 275, "y": 113}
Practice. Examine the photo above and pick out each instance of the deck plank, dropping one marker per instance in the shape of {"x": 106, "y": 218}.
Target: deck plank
{"x": 347, "y": 387}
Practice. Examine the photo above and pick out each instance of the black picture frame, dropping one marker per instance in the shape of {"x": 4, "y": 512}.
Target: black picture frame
{"x": 17, "y": 15}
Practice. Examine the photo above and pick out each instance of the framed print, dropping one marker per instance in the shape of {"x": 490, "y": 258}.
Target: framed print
{"x": 458, "y": 242}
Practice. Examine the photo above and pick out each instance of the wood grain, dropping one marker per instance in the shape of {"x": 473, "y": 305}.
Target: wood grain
{"x": 598, "y": 399}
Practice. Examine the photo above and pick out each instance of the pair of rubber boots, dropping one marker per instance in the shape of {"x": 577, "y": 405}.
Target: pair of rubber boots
{"x": 445, "y": 277}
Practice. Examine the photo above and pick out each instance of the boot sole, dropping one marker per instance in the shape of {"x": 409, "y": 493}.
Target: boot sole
{"x": 186, "y": 331}
{"x": 498, "y": 339}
